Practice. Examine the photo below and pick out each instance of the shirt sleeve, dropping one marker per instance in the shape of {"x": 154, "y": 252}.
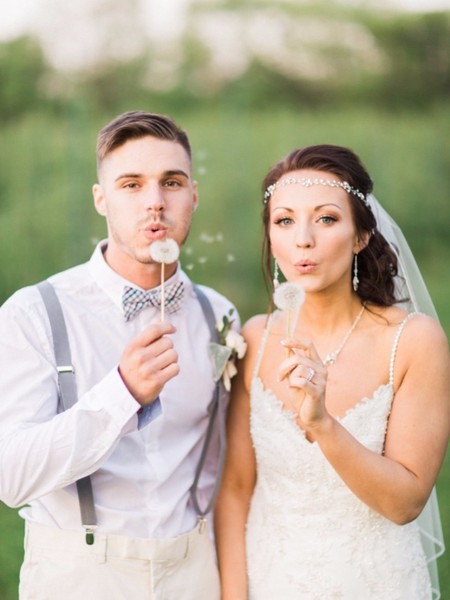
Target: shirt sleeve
{"x": 41, "y": 448}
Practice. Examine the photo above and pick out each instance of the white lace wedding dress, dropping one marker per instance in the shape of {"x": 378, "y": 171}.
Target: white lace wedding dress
{"x": 308, "y": 536}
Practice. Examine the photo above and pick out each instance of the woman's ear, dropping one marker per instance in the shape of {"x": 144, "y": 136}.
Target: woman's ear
{"x": 362, "y": 242}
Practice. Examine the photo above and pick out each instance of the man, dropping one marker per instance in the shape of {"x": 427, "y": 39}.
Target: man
{"x": 145, "y": 389}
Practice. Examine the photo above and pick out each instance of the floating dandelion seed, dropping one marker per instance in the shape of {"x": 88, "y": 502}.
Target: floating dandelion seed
{"x": 188, "y": 250}
{"x": 202, "y": 171}
{"x": 206, "y": 238}
{"x": 231, "y": 258}
{"x": 165, "y": 252}
{"x": 202, "y": 260}
{"x": 289, "y": 297}
{"x": 189, "y": 267}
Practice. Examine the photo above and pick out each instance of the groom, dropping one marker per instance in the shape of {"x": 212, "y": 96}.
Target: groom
{"x": 145, "y": 392}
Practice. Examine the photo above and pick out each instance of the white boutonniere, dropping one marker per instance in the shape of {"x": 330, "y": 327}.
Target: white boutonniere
{"x": 224, "y": 354}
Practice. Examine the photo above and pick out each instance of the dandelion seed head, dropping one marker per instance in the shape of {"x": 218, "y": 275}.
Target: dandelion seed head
{"x": 289, "y": 296}
{"x": 164, "y": 251}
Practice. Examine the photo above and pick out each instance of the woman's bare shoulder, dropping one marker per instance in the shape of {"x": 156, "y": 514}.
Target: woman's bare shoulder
{"x": 254, "y": 327}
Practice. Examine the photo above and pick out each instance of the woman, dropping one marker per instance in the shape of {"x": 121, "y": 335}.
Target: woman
{"x": 337, "y": 430}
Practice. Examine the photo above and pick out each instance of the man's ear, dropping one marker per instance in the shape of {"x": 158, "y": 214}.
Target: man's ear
{"x": 99, "y": 199}
{"x": 195, "y": 192}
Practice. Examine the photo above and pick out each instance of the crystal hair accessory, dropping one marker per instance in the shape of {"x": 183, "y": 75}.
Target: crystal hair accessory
{"x": 165, "y": 252}
{"x": 308, "y": 182}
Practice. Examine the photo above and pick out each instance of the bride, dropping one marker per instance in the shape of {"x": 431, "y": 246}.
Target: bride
{"x": 339, "y": 418}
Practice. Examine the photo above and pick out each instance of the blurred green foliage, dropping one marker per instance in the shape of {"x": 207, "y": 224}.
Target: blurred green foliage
{"x": 394, "y": 114}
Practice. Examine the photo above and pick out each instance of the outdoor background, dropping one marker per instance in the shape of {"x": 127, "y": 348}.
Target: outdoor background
{"x": 249, "y": 80}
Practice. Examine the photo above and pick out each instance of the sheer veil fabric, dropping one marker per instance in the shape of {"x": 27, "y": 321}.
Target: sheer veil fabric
{"x": 410, "y": 284}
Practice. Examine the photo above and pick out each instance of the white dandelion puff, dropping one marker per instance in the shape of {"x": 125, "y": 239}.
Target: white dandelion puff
{"x": 289, "y": 297}
{"x": 164, "y": 251}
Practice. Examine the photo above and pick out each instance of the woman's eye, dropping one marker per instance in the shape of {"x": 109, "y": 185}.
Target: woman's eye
{"x": 327, "y": 219}
{"x": 283, "y": 221}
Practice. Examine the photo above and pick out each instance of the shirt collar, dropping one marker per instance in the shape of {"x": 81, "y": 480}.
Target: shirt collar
{"x": 112, "y": 283}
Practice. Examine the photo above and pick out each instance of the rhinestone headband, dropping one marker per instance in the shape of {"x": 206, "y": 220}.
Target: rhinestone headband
{"x": 309, "y": 182}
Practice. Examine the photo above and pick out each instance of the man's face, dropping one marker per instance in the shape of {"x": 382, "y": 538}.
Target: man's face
{"x": 146, "y": 193}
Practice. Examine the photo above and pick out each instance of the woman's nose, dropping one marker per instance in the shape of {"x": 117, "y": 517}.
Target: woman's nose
{"x": 303, "y": 236}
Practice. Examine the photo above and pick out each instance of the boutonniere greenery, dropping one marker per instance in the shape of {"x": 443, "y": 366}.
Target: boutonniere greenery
{"x": 231, "y": 346}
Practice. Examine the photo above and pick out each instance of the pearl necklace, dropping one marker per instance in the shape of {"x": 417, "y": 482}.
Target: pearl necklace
{"x": 332, "y": 356}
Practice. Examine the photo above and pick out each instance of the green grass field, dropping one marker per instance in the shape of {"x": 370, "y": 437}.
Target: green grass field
{"x": 47, "y": 222}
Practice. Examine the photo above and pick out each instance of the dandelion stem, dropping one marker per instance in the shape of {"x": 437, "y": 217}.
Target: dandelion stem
{"x": 163, "y": 299}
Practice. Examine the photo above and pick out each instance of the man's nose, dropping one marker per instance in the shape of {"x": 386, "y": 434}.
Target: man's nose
{"x": 154, "y": 198}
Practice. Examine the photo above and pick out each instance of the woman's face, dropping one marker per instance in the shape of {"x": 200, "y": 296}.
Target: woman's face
{"x": 312, "y": 233}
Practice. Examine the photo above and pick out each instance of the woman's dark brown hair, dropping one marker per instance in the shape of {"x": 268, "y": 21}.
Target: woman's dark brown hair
{"x": 377, "y": 262}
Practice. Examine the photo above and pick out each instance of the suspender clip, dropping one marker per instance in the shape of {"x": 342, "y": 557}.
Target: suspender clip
{"x": 202, "y": 523}
{"x": 65, "y": 369}
{"x": 89, "y": 531}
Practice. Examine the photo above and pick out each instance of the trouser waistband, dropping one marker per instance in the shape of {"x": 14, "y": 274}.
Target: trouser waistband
{"x": 169, "y": 549}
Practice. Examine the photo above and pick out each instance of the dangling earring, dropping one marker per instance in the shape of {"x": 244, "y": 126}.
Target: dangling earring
{"x": 276, "y": 275}
{"x": 355, "y": 273}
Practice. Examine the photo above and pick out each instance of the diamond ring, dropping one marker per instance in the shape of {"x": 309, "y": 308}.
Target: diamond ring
{"x": 311, "y": 374}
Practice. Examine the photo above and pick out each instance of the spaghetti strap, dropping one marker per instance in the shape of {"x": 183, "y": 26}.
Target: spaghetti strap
{"x": 262, "y": 345}
{"x": 395, "y": 346}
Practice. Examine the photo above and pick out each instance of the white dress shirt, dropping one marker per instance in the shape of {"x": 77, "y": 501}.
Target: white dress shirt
{"x": 141, "y": 475}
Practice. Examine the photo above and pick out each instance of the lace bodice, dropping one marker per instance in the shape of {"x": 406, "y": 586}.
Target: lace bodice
{"x": 308, "y": 536}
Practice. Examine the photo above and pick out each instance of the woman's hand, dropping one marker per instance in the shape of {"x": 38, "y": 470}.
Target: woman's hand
{"x": 307, "y": 378}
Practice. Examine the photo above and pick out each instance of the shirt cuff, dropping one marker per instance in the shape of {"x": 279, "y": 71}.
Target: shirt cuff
{"x": 149, "y": 413}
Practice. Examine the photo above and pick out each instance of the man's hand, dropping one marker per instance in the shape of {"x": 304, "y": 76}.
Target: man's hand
{"x": 149, "y": 362}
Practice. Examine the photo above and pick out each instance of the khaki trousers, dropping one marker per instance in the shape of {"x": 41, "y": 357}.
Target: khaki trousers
{"x": 59, "y": 565}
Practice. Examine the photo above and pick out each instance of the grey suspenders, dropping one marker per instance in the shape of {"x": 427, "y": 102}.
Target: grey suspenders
{"x": 68, "y": 397}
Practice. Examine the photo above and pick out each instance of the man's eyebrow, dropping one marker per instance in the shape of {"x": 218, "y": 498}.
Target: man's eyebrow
{"x": 173, "y": 172}
{"x": 128, "y": 175}
{"x": 169, "y": 173}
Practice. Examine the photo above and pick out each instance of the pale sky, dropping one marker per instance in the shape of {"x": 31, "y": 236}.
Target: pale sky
{"x": 19, "y": 16}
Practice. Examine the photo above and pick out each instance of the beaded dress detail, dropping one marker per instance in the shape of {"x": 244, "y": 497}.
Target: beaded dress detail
{"x": 308, "y": 536}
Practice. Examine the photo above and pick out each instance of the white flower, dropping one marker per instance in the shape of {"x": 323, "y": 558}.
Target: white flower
{"x": 289, "y": 296}
{"x": 232, "y": 346}
{"x": 164, "y": 251}
{"x": 236, "y": 342}
{"x": 228, "y": 373}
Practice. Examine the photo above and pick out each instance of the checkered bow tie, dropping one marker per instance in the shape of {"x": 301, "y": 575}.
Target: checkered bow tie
{"x": 134, "y": 300}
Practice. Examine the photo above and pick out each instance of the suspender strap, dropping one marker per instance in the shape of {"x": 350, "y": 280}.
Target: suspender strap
{"x": 218, "y": 404}
{"x": 68, "y": 395}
